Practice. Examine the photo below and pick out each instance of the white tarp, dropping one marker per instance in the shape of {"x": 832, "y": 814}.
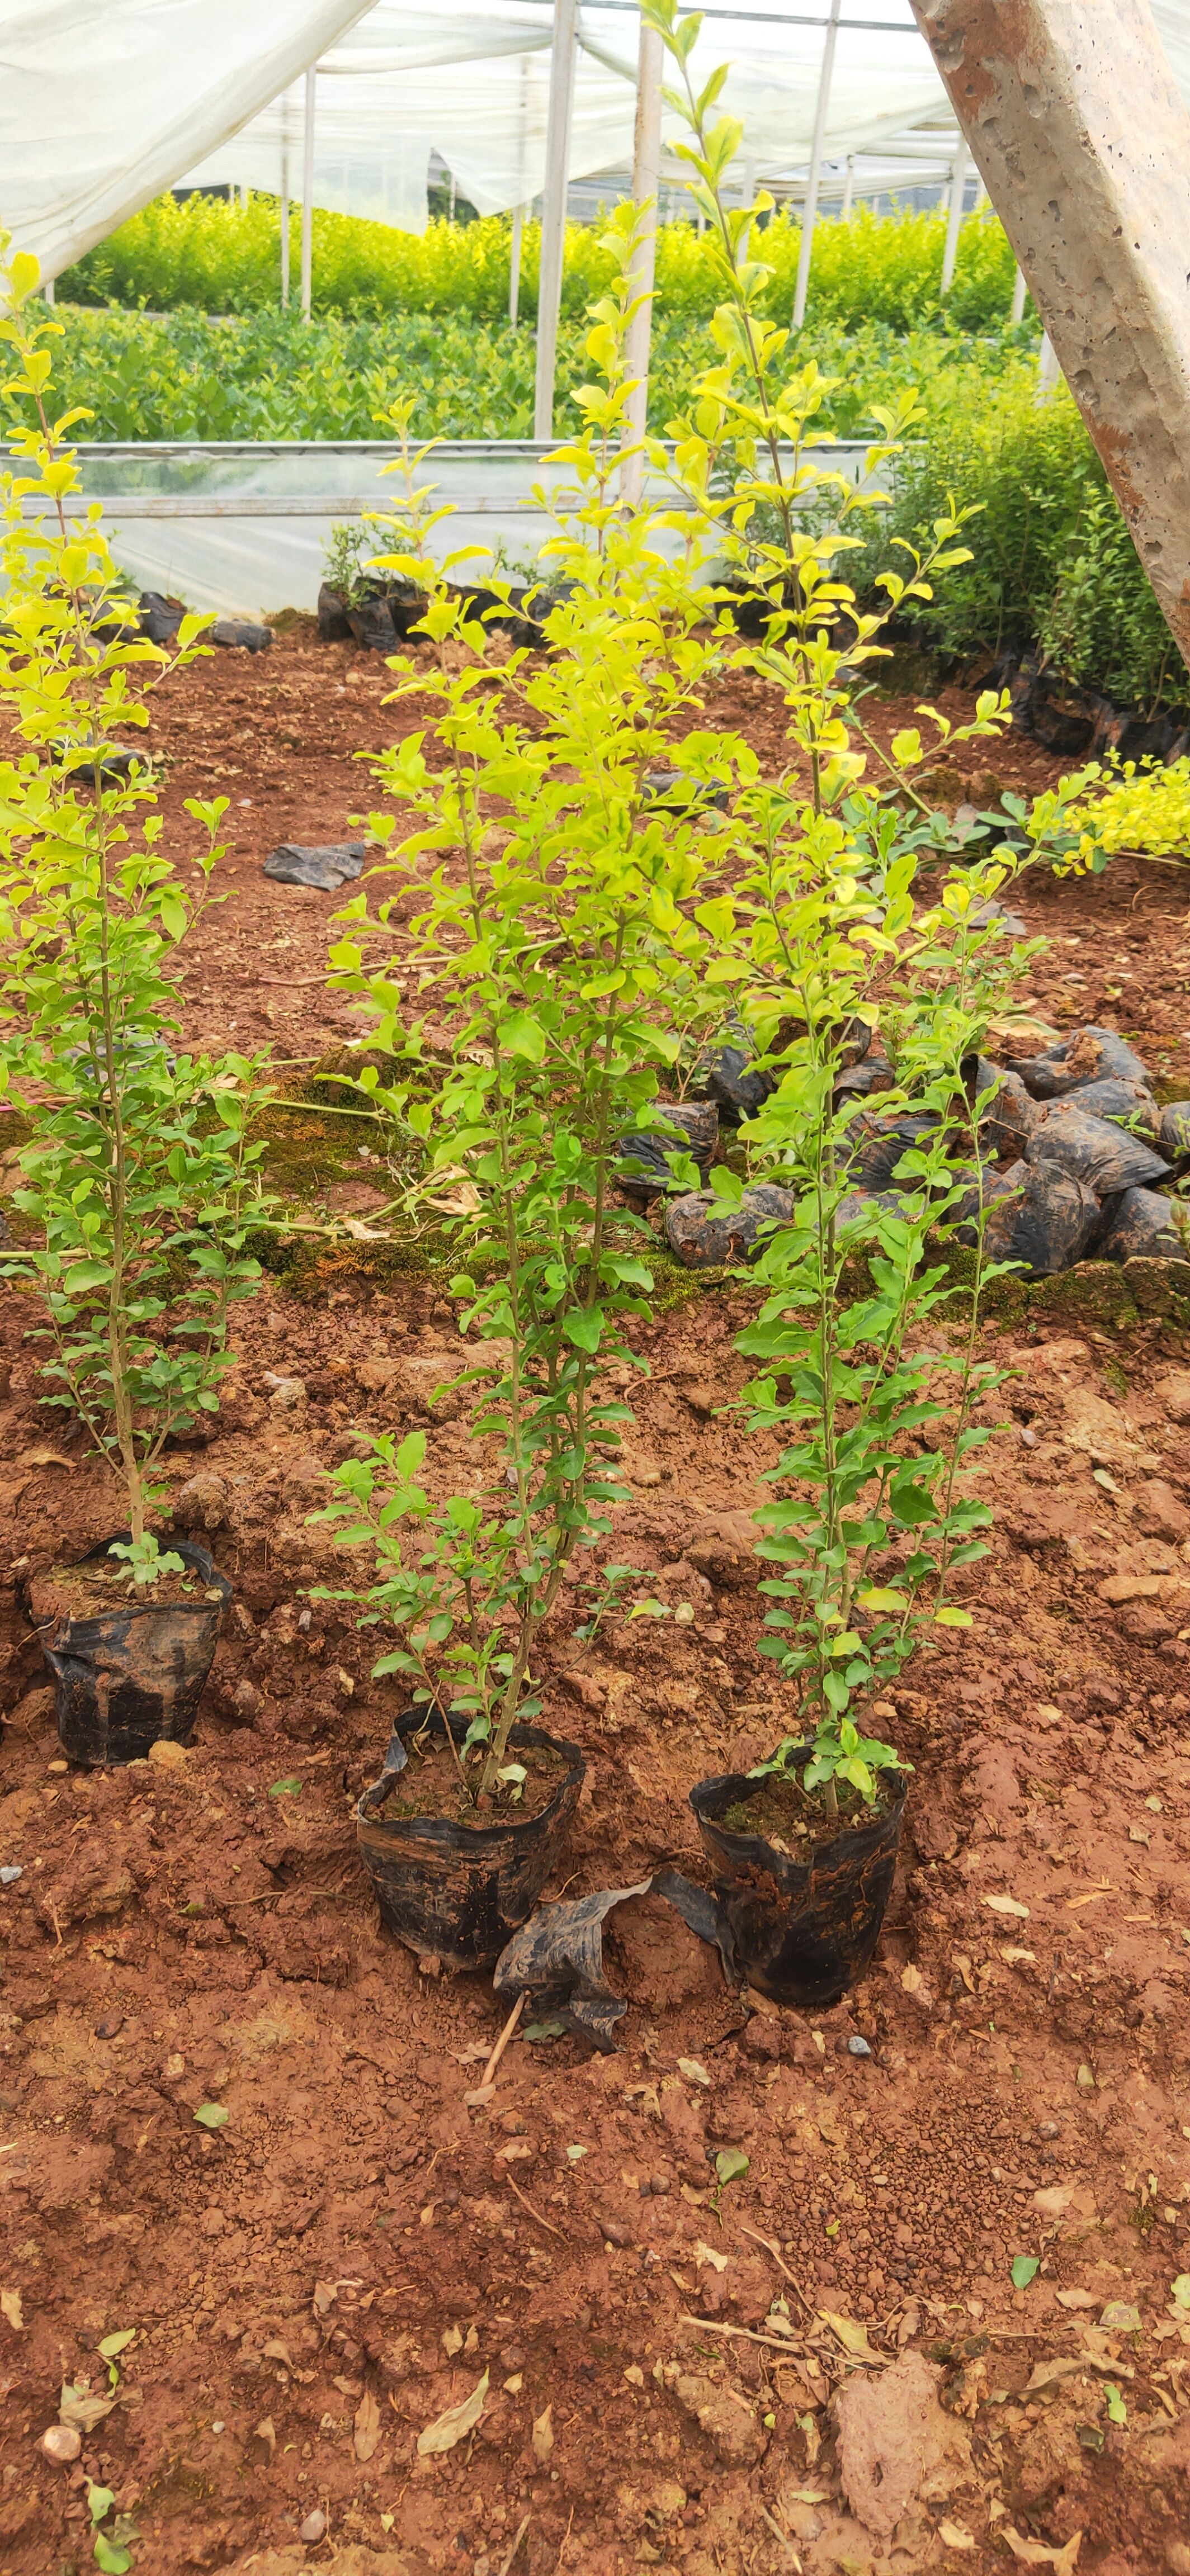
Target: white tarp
{"x": 376, "y": 124}
{"x": 104, "y": 102}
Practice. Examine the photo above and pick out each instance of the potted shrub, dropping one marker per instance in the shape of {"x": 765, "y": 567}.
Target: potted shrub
{"x": 553, "y": 945}
{"x": 840, "y": 953}
{"x": 138, "y": 1176}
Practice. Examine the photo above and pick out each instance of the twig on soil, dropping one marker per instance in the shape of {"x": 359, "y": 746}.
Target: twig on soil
{"x": 502, "y": 2043}
{"x": 744, "y": 2334}
{"x": 783, "y": 2537}
{"x": 782, "y": 2267}
{"x": 526, "y": 2203}
{"x": 506, "y": 2562}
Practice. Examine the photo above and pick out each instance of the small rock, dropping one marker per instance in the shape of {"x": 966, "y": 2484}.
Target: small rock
{"x": 61, "y": 2444}
{"x": 857, "y": 2047}
{"x": 242, "y": 632}
{"x": 896, "y": 2446}
{"x": 1085, "y": 2080}
{"x": 168, "y": 1756}
{"x": 1159, "y": 1514}
{"x": 201, "y": 1503}
{"x": 728, "y": 2421}
{"x": 377, "y": 1373}
{"x": 10, "y": 1874}
{"x": 314, "y": 2526}
{"x": 245, "y": 1700}
{"x": 1173, "y": 1392}
{"x": 614, "y": 2231}
{"x": 110, "y": 2024}
{"x": 286, "y": 1393}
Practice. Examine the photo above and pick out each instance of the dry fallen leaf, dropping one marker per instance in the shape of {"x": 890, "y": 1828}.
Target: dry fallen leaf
{"x": 1076, "y": 2299}
{"x": 1047, "y": 2374}
{"x": 76, "y": 2406}
{"x": 707, "y": 2254}
{"x": 276, "y": 2350}
{"x": 954, "y": 2535}
{"x": 853, "y": 2337}
{"x": 454, "y": 2425}
{"x": 1017, "y": 1958}
{"x": 693, "y": 2071}
{"x": 10, "y": 2307}
{"x": 542, "y": 2436}
{"x": 911, "y": 1980}
{"x": 43, "y": 1458}
{"x": 1036, "y": 2554}
{"x": 1007, "y": 1905}
{"x": 367, "y": 2426}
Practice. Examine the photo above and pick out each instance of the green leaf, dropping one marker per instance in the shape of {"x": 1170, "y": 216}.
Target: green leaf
{"x": 731, "y": 2164}
{"x": 100, "y": 2500}
{"x": 111, "y": 2556}
{"x": 1117, "y": 2410}
{"x": 1181, "y": 2290}
{"x": 583, "y": 1327}
{"x": 114, "y": 2344}
{"x": 211, "y": 2115}
{"x": 950, "y": 1617}
{"x": 286, "y": 1789}
{"x": 545, "y": 2029}
{"x": 521, "y": 1034}
{"x": 1025, "y": 2268}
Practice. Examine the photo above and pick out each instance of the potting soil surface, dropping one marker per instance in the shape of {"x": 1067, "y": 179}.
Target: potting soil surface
{"x": 943, "y": 2317}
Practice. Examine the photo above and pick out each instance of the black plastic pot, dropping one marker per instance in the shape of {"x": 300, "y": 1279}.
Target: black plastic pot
{"x": 459, "y": 1892}
{"x": 804, "y": 1931}
{"x": 133, "y": 1675}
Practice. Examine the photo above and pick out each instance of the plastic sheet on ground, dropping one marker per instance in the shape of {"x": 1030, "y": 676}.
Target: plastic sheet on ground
{"x": 557, "y": 1956}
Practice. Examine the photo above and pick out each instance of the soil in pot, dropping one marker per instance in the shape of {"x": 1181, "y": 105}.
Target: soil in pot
{"x": 804, "y": 1891}
{"x": 129, "y": 1667}
{"x": 454, "y": 1881}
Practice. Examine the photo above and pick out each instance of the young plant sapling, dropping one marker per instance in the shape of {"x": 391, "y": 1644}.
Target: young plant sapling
{"x": 839, "y": 947}
{"x": 139, "y": 1174}
{"x": 561, "y": 966}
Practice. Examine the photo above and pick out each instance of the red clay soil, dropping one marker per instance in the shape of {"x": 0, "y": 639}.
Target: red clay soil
{"x": 315, "y": 2282}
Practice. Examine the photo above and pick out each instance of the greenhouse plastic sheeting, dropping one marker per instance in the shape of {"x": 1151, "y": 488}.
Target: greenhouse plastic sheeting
{"x": 103, "y": 102}
{"x": 245, "y": 528}
{"x": 487, "y": 117}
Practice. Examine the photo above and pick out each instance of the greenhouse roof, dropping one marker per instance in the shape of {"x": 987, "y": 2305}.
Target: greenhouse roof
{"x": 107, "y": 102}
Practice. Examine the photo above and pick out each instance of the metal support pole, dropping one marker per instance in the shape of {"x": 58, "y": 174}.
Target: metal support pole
{"x": 810, "y": 206}
{"x": 514, "y": 264}
{"x": 285, "y": 203}
{"x": 1019, "y": 292}
{"x": 848, "y": 189}
{"x": 1049, "y": 372}
{"x": 958, "y": 183}
{"x": 646, "y": 180}
{"x": 553, "y": 210}
{"x": 308, "y": 191}
{"x": 48, "y": 291}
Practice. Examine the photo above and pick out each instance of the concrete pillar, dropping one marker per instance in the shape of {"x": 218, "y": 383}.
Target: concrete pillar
{"x": 1083, "y": 143}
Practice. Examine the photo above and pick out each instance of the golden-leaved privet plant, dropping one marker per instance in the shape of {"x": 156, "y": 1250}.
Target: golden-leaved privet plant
{"x": 836, "y": 946}
{"x": 138, "y": 1179}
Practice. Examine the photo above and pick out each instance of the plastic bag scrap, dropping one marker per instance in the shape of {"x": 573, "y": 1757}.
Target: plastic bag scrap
{"x": 325, "y": 864}
{"x": 648, "y": 1155}
{"x": 1091, "y": 1055}
{"x": 1173, "y": 1134}
{"x": 1040, "y": 1217}
{"x": 872, "y": 1073}
{"x": 1128, "y": 1104}
{"x": 557, "y": 1956}
{"x": 1138, "y": 1221}
{"x": 1090, "y": 1149}
{"x": 876, "y": 1145}
{"x": 668, "y": 792}
{"x": 703, "y": 1242}
{"x": 241, "y": 633}
{"x": 729, "y": 1075}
